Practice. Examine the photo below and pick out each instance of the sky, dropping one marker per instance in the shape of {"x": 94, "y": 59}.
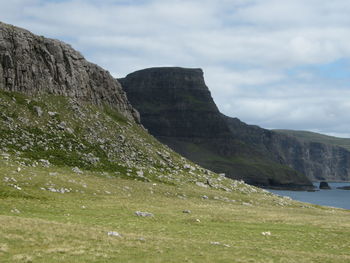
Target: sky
{"x": 276, "y": 64}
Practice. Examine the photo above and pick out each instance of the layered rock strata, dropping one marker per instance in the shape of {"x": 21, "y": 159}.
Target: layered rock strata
{"x": 33, "y": 64}
{"x": 318, "y": 161}
{"x": 177, "y": 108}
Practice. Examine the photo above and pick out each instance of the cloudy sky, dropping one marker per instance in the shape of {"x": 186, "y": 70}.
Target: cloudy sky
{"x": 277, "y": 64}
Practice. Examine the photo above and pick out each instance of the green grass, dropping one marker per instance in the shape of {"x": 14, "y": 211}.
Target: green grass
{"x": 134, "y": 172}
{"x": 317, "y": 137}
{"x": 73, "y": 226}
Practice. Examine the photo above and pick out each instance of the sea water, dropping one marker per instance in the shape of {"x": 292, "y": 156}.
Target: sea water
{"x": 333, "y": 197}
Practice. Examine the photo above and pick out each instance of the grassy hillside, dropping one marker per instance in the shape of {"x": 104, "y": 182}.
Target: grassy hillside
{"x": 51, "y": 214}
{"x": 252, "y": 168}
{"x": 317, "y": 137}
{"x": 55, "y": 130}
{"x": 72, "y": 177}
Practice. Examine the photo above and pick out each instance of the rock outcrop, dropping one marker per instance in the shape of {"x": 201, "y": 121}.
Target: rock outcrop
{"x": 177, "y": 108}
{"x": 324, "y": 185}
{"x": 33, "y": 64}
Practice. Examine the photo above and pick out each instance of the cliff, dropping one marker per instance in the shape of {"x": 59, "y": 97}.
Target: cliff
{"x": 173, "y": 92}
{"x": 308, "y": 155}
{"x": 177, "y": 108}
{"x": 58, "y": 111}
{"x": 34, "y": 65}
{"x": 308, "y": 136}
{"x": 323, "y": 157}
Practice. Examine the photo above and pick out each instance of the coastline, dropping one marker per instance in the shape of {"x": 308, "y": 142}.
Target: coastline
{"x": 334, "y": 197}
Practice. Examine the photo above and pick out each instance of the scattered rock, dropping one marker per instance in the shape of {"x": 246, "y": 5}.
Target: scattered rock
{"x": 139, "y": 173}
{"x": 6, "y": 156}
{"x": 70, "y": 130}
{"x": 205, "y": 197}
{"x": 187, "y": 166}
{"x": 201, "y": 184}
{"x": 17, "y": 187}
{"x": 15, "y": 210}
{"x": 268, "y": 233}
{"x": 186, "y": 211}
{"x": 114, "y": 234}
{"x": 44, "y": 162}
{"x": 90, "y": 158}
{"x": 215, "y": 243}
{"x": 62, "y": 125}
{"x": 77, "y": 170}
{"x": 38, "y": 111}
{"x": 52, "y": 113}
{"x": 61, "y": 190}
{"x": 144, "y": 214}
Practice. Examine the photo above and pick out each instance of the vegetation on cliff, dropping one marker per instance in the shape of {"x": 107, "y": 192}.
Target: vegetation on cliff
{"x": 317, "y": 137}
{"x": 177, "y": 108}
{"x": 82, "y": 208}
{"x": 81, "y": 181}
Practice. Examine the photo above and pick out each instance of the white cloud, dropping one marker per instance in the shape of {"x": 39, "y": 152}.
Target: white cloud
{"x": 246, "y": 48}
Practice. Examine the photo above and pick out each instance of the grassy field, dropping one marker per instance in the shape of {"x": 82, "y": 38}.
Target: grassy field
{"x": 39, "y": 224}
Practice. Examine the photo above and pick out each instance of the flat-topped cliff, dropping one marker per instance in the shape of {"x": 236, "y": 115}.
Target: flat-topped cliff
{"x": 177, "y": 108}
{"x": 182, "y": 98}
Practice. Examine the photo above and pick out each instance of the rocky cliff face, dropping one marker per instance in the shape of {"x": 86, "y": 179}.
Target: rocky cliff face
{"x": 182, "y": 98}
{"x": 316, "y": 160}
{"x": 34, "y": 65}
{"x": 177, "y": 108}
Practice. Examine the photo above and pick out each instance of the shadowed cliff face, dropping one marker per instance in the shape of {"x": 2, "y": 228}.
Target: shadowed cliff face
{"x": 176, "y": 107}
{"x": 316, "y": 160}
{"x": 34, "y": 65}
{"x": 183, "y": 100}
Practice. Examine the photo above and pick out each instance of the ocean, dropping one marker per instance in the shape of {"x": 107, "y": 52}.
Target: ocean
{"x": 333, "y": 197}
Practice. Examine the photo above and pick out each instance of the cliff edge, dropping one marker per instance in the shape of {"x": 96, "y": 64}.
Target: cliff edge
{"x": 177, "y": 108}
{"x": 33, "y": 64}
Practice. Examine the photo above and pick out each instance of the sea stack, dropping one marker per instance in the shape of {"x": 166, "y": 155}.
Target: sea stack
{"x": 324, "y": 185}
